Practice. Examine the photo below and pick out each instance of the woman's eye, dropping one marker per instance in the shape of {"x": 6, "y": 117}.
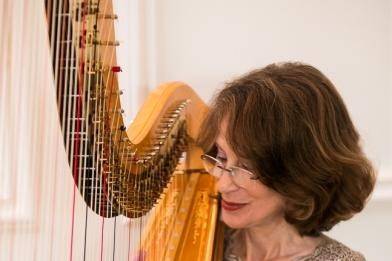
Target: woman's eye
{"x": 221, "y": 158}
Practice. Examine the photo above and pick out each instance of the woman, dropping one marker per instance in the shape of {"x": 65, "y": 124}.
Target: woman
{"x": 288, "y": 164}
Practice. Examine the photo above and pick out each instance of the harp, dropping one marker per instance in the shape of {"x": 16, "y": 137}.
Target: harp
{"x": 76, "y": 184}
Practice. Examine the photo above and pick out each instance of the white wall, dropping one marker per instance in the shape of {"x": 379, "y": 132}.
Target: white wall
{"x": 207, "y": 42}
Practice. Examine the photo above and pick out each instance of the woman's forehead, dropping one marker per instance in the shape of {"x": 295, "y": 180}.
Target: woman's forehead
{"x": 223, "y": 145}
{"x": 221, "y": 140}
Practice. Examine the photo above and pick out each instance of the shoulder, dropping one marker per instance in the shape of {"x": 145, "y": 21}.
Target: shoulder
{"x": 331, "y": 249}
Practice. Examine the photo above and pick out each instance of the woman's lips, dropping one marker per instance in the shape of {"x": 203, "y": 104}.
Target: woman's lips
{"x": 231, "y": 206}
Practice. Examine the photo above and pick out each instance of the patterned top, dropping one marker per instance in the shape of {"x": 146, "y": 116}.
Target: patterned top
{"x": 328, "y": 250}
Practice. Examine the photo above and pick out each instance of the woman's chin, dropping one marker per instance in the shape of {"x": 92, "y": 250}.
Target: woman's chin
{"x": 232, "y": 221}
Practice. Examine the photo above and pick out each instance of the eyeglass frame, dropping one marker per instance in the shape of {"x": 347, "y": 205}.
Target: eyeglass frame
{"x": 230, "y": 170}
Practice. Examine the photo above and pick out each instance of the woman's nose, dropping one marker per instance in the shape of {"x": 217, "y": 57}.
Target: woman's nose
{"x": 225, "y": 183}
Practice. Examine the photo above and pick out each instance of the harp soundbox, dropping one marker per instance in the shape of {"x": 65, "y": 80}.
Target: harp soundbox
{"x": 85, "y": 186}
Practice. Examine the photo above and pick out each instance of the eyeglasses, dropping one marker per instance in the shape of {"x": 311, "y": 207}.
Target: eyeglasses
{"x": 241, "y": 177}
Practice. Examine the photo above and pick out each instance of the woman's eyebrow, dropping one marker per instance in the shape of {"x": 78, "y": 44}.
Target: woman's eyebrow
{"x": 244, "y": 163}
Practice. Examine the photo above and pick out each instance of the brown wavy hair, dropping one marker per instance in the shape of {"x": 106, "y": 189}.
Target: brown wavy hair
{"x": 292, "y": 127}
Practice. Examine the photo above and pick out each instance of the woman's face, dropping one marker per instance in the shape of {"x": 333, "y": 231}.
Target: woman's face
{"x": 244, "y": 207}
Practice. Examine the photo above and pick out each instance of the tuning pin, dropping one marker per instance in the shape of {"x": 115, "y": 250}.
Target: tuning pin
{"x": 107, "y": 16}
{"x": 106, "y": 43}
{"x": 162, "y": 131}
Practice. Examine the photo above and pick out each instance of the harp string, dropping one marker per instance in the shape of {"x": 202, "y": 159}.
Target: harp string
{"x": 105, "y": 150}
{"x": 83, "y": 166}
{"x": 41, "y": 192}
{"x": 85, "y": 57}
{"x": 32, "y": 134}
{"x": 110, "y": 170}
{"x": 11, "y": 120}
{"x": 3, "y": 178}
{"x": 51, "y": 196}
{"x": 56, "y": 51}
{"x": 75, "y": 134}
{"x": 52, "y": 142}
{"x": 81, "y": 72}
{"x": 106, "y": 154}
